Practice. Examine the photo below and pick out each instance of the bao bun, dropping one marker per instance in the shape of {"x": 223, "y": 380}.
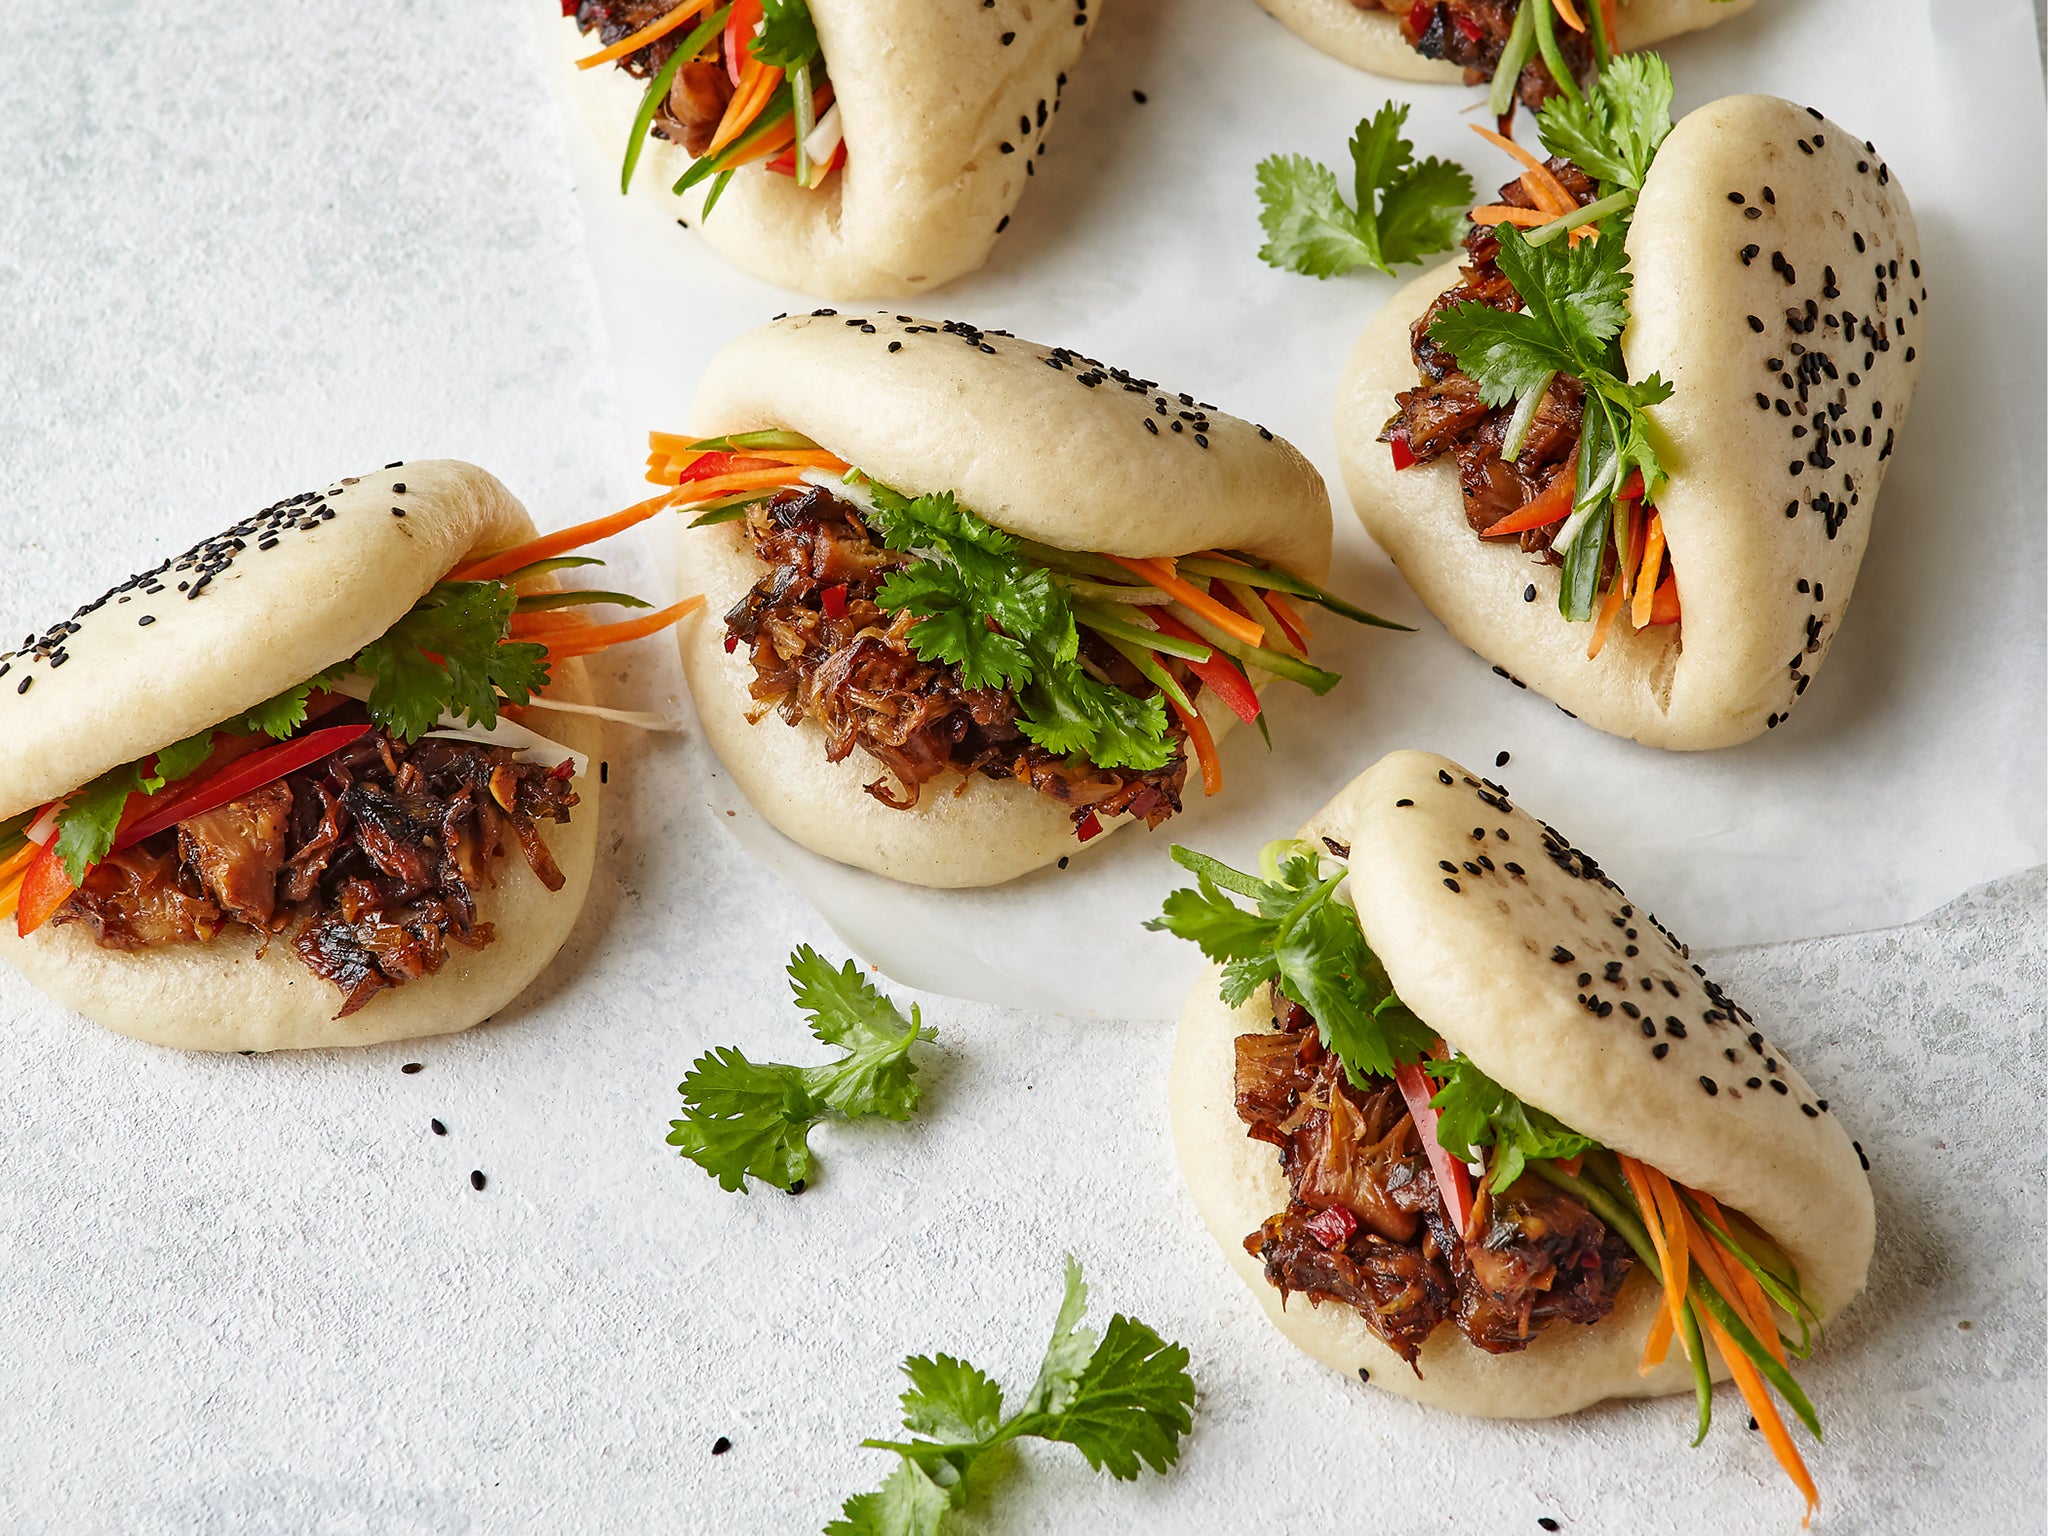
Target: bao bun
{"x": 1366, "y": 37}
{"x": 943, "y": 108}
{"x": 1059, "y": 454}
{"x": 1778, "y": 290}
{"x": 230, "y": 624}
{"x": 1480, "y": 965}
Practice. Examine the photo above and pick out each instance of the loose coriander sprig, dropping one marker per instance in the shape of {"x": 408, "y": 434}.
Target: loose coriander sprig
{"x": 1406, "y": 208}
{"x": 745, "y": 1119}
{"x": 1122, "y": 1400}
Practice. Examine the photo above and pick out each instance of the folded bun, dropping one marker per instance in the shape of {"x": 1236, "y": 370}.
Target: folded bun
{"x": 1778, "y": 290}
{"x": 1366, "y": 37}
{"x": 256, "y": 610}
{"x": 1059, "y": 454}
{"x": 943, "y": 107}
{"x": 1495, "y": 967}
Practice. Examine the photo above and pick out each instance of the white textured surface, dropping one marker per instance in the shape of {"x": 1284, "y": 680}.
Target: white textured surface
{"x": 258, "y": 1295}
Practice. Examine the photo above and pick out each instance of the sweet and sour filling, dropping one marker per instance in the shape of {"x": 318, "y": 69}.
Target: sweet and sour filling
{"x": 1474, "y": 34}
{"x": 1366, "y": 1227}
{"x": 823, "y": 649}
{"x": 371, "y": 859}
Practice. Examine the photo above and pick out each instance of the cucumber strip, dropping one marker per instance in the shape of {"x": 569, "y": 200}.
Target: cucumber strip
{"x": 1114, "y": 628}
{"x": 1514, "y": 54}
{"x": 540, "y": 602}
{"x": 717, "y": 191}
{"x": 1553, "y": 55}
{"x": 1254, "y": 574}
{"x": 1072, "y": 561}
{"x": 1765, "y": 1362}
{"x": 1110, "y": 592}
{"x": 1279, "y": 663}
{"x": 543, "y": 567}
{"x": 806, "y": 119}
{"x": 657, "y": 91}
{"x": 1154, "y": 673}
{"x": 1599, "y": 208}
{"x": 1255, "y": 606}
{"x": 723, "y": 512}
{"x": 1702, "y": 1378}
{"x": 780, "y": 105}
{"x": 1218, "y": 873}
{"x": 1524, "y": 417}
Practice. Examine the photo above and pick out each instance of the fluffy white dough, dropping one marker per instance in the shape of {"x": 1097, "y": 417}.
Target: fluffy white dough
{"x": 1366, "y": 37}
{"x": 941, "y": 117}
{"x": 1778, "y": 290}
{"x": 1495, "y": 967}
{"x": 250, "y": 623}
{"x": 976, "y": 413}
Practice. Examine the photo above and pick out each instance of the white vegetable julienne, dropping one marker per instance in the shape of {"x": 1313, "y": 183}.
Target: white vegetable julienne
{"x": 823, "y": 143}
{"x": 506, "y": 733}
{"x": 44, "y": 827}
{"x": 641, "y": 719}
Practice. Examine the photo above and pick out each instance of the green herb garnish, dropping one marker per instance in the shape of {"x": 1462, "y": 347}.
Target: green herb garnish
{"x": 1406, "y": 208}
{"x": 745, "y": 1119}
{"x": 1473, "y": 1111}
{"x": 1122, "y": 1401}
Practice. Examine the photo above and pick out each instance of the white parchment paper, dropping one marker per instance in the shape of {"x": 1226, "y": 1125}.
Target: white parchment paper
{"x": 1913, "y": 769}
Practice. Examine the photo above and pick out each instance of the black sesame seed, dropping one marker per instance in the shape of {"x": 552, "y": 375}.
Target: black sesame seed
{"x": 476, "y": 1178}
{"x": 1442, "y": 777}
{"x": 1709, "y": 1086}
{"x": 146, "y": 620}
{"x": 437, "y": 1128}
{"x": 1778, "y": 1087}
{"x": 1451, "y": 885}
{"x": 1660, "y": 1050}
{"x": 1546, "y": 1522}
{"x": 720, "y": 1446}
{"x": 1063, "y": 861}
{"x": 1004, "y": 224}
{"x": 1364, "y": 1374}
{"x": 1529, "y": 593}
{"x": 1500, "y": 759}
{"x": 1809, "y": 1111}
{"x": 1402, "y": 803}
{"x": 411, "y": 1067}
{"x": 398, "y": 489}
{"x": 1009, "y": 38}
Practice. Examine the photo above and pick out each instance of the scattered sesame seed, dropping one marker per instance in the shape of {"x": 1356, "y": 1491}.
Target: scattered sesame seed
{"x": 1709, "y": 1086}
{"x": 477, "y": 1179}
{"x": 411, "y": 1067}
{"x": 1140, "y": 98}
{"x": 720, "y": 1446}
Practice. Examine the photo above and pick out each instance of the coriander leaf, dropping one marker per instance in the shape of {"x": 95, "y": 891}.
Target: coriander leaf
{"x": 181, "y": 759}
{"x": 277, "y": 717}
{"x": 1579, "y": 291}
{"x": 1123, "y": 1401}
{"x": 1309, "y": 227}
{"x": 874, "y": 1078}
{"x": 90, "y": 818}
{"x": 1506, "y": 355}
{"x": 788, "y": 37}
{"x": 464, "y": 624}
{"x": 744, "y": 1119}
{"x": 1065, "y": 710}
{"x": 1473, "y": 1111}
{"x": 950, "y": 1399}
{"x": 909, "y": 1503}
{"x": 1131, "y": 1403}
{"x": 955, "y": 628}
{"x": 1406, "y": 209}
{"x": 1614, "y": 131}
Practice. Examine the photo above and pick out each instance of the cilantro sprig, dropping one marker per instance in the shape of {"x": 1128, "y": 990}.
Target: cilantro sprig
{"x": 1474, "y": 1112}
{"x": 1299, "y": 937}
{"x": 1001, "y": 618}
{"x": 1575, "y": 305}
{"x": 1122, "y": 1399}
{"x": 744, "y": 1119}
{"x": 788, "y": 38}
{"x": 1406, "y": 208}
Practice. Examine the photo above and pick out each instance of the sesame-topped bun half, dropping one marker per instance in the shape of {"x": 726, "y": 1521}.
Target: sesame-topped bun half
{"x": 936, "y": 116}
{"x": 1081, "y": 465}
{"x": 228, "y": 929}
{"x": 1367, "y": 34}
{"x": 1777, "y": 291}
{"x": 1531, "y": 969}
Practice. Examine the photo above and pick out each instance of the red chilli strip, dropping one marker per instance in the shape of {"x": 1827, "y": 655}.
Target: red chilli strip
{"x": 1087, "y": 827}
{"x": 1332, "y": 1226}
{"x": 1403, "y": 454}
{"x": 833, "y": 600}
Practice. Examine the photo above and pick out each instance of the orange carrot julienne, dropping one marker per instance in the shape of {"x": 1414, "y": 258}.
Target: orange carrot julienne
{"x": 1569, "y": 16}
{"x": 1548, "y": 505}
{"x": 1657, "y": 1342}
{"x": 1609, "y": 14}
{"x": 599, "y": 637}
{"x": 1751, "y": 1385}
{"x": 1671, "y": 1216}
{"x": 693, "y": 491}
{"x": 774, "y": 142}
{"x": 1507, "y": 213}
{"x": 1737, "y": 1285}
{"x": 18, "y": 860}
{"x": 549, "y": 545}
{"x": 757, "y": 84}
{"x": 1205, "y": 747}
{"x": 660, "y": 27}
{"x": 531, "y": 626}
{"x": 1610, "y": 605}
{"x": 1161, "y": 575}
{"x": 1646, "y": 1204}
{"x": 1646, "y": 579}
{"x": 1552, "y": 193}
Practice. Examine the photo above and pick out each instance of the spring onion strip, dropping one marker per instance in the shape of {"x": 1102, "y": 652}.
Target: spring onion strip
{"x": 1553, "y": 55}
{"x": 767, "y": 437}
{"x": 1252, "y": 574}
{"x": 1109, "y": 625}
{"x": 539, "y": 602}
{"x": 1279, "y": 663}
{"x": 1514, "y": 54}
{"x": 1599, "y": 208}
{"x": 1112, "y": 592}
{"x": 800, "y": 81}
{"x": 544, "y": 567}
{"x": 1525, "y": 415}
{"x": 1148, "y": 664}
{"x": 1603, "y": 48}
{"x": 717, "y": 191}
{"x": 658, "y": 88}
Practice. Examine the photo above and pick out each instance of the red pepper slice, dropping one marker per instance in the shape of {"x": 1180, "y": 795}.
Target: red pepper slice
{"x": 1420, "y": 15}
{"x": 833, "y": 600}
{"x": 1332, "y": 1226}
{"x": 1451, "y": 1177}
{"x": 1088, "y": 826}
{"x": 739, "y": 35}
{"x": 251, "y": 772}
{"x": 44, "y": 888}
{"x": 1403, "y": 454}
{"x": 1470, "y": 28}
{"x": 712, "y": 465}
{"x": 732, "y": 643}
{"x": 1218, "y": 673}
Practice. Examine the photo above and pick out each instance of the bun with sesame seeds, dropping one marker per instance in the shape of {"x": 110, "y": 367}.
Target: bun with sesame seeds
{"x": 1539, "y": 970}
{"x": 1038, "y": 441}
{"x": 1777, "y": 289}
{"x": 1367, "y": 37}
{"x": 171, "y": 654}
{"x": 945, "y": 111}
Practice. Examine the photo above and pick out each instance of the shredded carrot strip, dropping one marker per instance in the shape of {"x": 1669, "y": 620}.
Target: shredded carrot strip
{"x": 1657, "y": 1343}
{"x": 658, "y": 28}
{"x": 1205, "y": 747}
{"x": 694, "y": 491}
{"x": 549, "y": 545}
{"x": 528, "y": 626}
{"x": 1569, "y": 16}
{"x": 19, "y": 860}
{"x": 1671, "y": 1214}
{"x": 1507, "y": 213}
{"x": 1751, "y": 1385}
{"x": 1610, "y": 605}
{"x": 1609, "y": 13}
{"x": 1545, "y": 188}
{"x": 757, "y": 84}
{"x": 1646, "y": 1205}
{"x": 1161, "y": 575}
{"x": 774, "y": 142}
{"x": 10, "y": 896}
{"x": 1735, "y": 1283}
{"x": 598, "y": 637}
{"x": 1646, "y": 579}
